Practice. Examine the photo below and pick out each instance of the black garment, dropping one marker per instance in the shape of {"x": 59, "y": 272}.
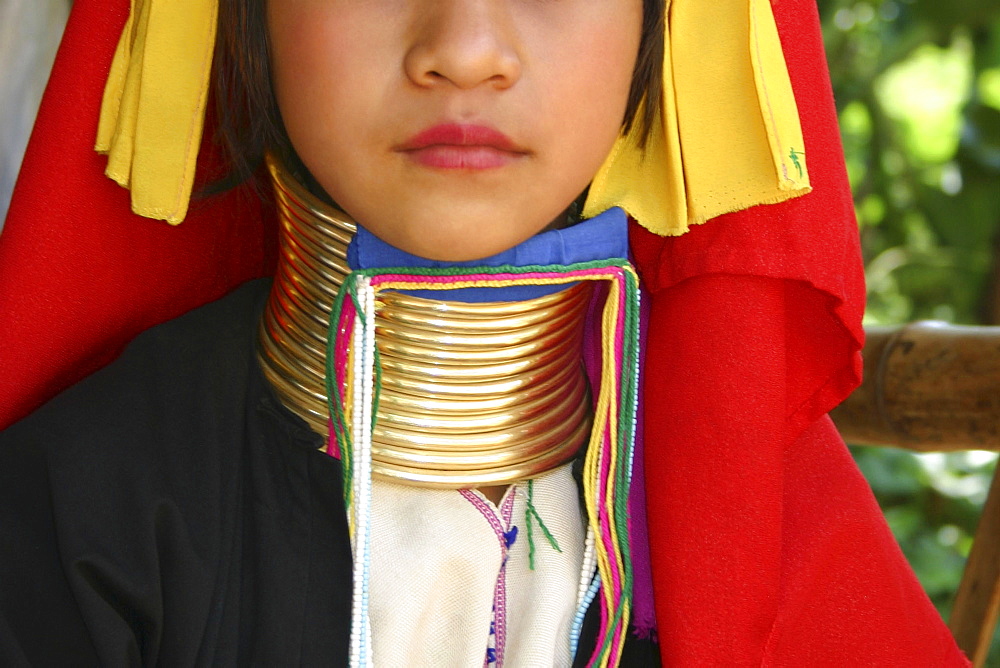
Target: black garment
{"x": 168, "y": 510}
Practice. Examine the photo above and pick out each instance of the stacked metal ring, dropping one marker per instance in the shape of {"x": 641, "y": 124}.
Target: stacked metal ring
{"x": 312, "y": 266}
{"x": 472, "y": 394}
{"x": 476, "y": 394}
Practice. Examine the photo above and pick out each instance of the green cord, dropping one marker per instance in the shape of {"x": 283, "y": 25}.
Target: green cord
{"x": 334, "y": 400}
{"x": 530, "y": 511}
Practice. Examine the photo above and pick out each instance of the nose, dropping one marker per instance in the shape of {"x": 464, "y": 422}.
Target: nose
{"x": 463, "y": 43}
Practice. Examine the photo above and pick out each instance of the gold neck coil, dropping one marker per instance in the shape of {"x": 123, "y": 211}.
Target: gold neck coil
{"x": 312, "y": 264}
{"x": 472, "y": 394}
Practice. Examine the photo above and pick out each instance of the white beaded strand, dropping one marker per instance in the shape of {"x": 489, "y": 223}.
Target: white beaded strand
{"x": 368, "y": 304}
{"x": 637, "y": 305}
{"x": 363, "y": 402}
{"x": 357, "y": 342}
{"x": 585, "y": 591}
{"x": 588, "y": 566}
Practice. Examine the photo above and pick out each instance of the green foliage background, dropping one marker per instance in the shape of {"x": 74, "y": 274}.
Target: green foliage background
{"x": 917, "y": 84}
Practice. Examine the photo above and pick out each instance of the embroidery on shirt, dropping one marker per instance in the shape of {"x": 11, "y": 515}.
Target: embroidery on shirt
{"x": 506, "y": 535}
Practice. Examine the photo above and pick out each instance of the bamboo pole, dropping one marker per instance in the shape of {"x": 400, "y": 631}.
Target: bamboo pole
{"x": 929, "y": 387}
{"x": 974, "y": 614}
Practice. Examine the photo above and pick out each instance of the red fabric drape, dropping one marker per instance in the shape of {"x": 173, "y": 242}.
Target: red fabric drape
{"x": 80, "y": 275}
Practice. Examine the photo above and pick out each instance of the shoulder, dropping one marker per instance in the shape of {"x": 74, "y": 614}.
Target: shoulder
{"x": 168, "y": 362}
{"x": 168, "y": 400}
{"x": 127, "y": 485}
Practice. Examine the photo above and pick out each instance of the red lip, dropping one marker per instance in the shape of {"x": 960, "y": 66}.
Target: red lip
{"x": 459, "y": 146}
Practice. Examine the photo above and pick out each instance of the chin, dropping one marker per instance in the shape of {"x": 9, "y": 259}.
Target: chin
{"x": 476, "y": 248}
{"x": 457, "y": 253}
{"x": 462, "y": 242}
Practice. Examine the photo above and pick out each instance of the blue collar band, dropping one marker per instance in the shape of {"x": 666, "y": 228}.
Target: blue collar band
{"x": 600, "y": 238}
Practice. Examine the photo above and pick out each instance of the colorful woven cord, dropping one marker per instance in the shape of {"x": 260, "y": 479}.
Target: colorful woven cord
{"x": 353, "y": 382}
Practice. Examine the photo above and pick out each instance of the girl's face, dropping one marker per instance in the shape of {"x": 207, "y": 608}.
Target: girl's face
{"x": 453, "y": 129}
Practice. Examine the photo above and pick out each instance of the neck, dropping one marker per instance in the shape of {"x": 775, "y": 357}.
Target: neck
{"x": 472, "y": 394}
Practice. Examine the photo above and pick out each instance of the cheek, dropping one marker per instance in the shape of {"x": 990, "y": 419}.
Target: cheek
{"x": 588, "y": 105}
{"x": 320, "y": 75}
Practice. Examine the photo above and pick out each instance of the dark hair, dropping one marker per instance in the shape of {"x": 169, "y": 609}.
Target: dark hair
{"x": 248, "y": 121}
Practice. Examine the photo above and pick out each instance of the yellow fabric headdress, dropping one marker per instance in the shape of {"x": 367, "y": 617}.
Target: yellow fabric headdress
{"x": 153, "y": 111}
{"x": 729, "y": 136}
